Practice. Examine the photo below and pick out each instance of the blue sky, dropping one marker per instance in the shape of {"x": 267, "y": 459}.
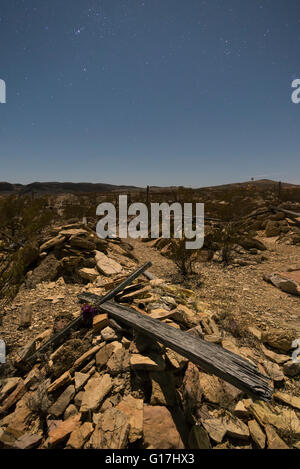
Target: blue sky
{"x": 159, "y": 92}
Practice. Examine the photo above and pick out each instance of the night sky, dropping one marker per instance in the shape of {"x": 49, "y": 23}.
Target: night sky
{"x": 159, "y": 92}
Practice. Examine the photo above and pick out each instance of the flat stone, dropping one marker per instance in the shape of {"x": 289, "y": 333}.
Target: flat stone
{"x": 118, "y": 362}
{"x": 160, "y": 313}
{"x": 215, "y": 428}
{"x": 192, "y": 391}
{"x": 73, "y": 232}
{"x": 86, "y": 356}
{"x": 62, "y": 430}
{"x": 293, "y": 401}
{"x": 241, "y": 410}
{"x": 134, "y": 410}
{"x": 9, "y": 384}
{"x": 100, "y": 322}
{"x": 22, "y": 420}
{"x": 60, "y": 405}
{"x": 94, "y": 392}
{"x": 274, "y": 441}
{"x": 51, "y": 243}
{"x": 235, "y": 428}
{"x": 275, "y": 357}
{"x": 13, "y": 397}
{"x": 80, "y": 380}
{"x": 257, "y": 434}
{"x": 108, "y": 334}
{"x": 212, "y": 388}
{"x": 89, "y": 274}
{"x": 141, "y": 362}
{"x": 175, "y": 359}
{"x": 106, "y": 352}
{"x": 111, "y": 431}
{"x": 107, "y": 266}
{"x": 80, "y": 435}
{"x": 284, "y": 420}
{"x": 70, "y": 411}
{"x": 274, "y": 371}
{"x": 63, "y": 380}
{"x": 255, "y": 332}
{"x": 28, "y": 441}
{"x": 186, "y": 316}
{"x": 7, "y": 441}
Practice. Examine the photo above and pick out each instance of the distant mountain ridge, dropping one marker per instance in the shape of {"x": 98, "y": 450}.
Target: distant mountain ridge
{"x": 7, "y": 188}
{"x": 61, "y": 187}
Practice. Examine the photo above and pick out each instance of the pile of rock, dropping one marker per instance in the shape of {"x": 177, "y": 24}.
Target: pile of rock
{"x": 277, "y": 224}
{"x": 246, "y": 251}
{"x": 107, "y": 387}
{"x": 77, "y": 254}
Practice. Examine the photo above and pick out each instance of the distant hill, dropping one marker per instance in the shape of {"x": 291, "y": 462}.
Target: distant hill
{"x": 41, "y": 188}
{"x": 258, "y": 184}
{"x": 61, "y": 188}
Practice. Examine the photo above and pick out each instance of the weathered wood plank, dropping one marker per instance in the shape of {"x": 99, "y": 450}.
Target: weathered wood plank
{"x": 97, "y": 300}
{"x": 210, "y": 357}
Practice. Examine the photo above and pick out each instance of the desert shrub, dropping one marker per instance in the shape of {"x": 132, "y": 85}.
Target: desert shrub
{"x": 182, "y": 257}
{"x": 21, "y": 218}
{"x": 39, "y": 403}
{"x": 226, "y": 236}
{"x": 21, "y": 221}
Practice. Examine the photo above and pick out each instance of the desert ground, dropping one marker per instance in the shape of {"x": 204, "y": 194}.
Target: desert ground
{"x": 104, "y": 385}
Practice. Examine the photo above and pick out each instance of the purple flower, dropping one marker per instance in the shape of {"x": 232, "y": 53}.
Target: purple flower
{"x": 88, "y": 312}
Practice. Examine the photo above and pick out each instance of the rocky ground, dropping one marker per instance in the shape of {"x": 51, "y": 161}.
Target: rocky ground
{"x": 107, "y": 387}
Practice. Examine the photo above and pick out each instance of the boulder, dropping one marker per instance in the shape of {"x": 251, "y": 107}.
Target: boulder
{"x": 291, "y": 368}
{"x": 272, "y": 229}
{"x": 160, "y": 431}
{"x": 47, "y": 271}
{"x": 279, "y": 339}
